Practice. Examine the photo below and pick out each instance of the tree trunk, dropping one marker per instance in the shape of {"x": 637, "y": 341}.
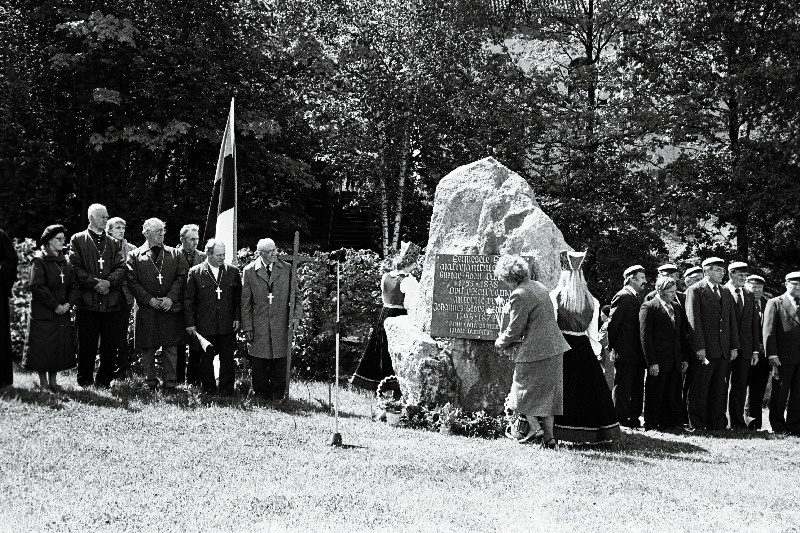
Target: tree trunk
{"x": 384, "y": 215}
{"x": 401, "y": 185}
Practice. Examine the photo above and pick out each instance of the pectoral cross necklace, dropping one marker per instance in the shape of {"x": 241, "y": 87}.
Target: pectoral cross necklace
{"x": 100, "y": 261}
{"x": 218, "y": 290}
{"x": 160, "y": 277}
{"x": 62, "y": 274}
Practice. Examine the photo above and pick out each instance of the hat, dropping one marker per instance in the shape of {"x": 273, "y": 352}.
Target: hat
{"x": 714, "y": 261}
{"x": 52, "y": 231}
{"x": 736, "y": 266}
{"x": 571, "y": 260}
{"x": 793, "y": 276}
{"x": 408, "y": 254}
{"x": 667, "y": 268}
{"x": 692, "y": 271}
{"x": 755, "y": 278}
{"x": 631, "y": 270}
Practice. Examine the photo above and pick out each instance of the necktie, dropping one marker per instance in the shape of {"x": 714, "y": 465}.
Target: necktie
{"x": 670, "y": 311}
{"x": 739, "y": 300}
{"x": 219, "y": 274}
{"x": 716, "y": 292}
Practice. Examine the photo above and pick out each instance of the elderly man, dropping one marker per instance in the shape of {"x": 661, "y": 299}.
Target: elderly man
{"x": 100, "y": 312}
{"x": 212, "y": 307}
{"x": 782, "y": 346}
{"x": 157, "y": 278}
{"x": 190, "y": 237}
{"x": 8, "y": 275}
{"x": 115, "y": 227}
{"x": 748, "y": 325}
{"x": 625, "y": 342}
{"x": 667, "y": 354}
{"x": 759, "y": 373}
{"x": 266, "y": 315}
{"x": 667, "y": 270}
{"x": 715, "y": 341}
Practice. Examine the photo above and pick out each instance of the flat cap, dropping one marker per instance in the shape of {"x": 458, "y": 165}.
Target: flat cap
{"x": 631, "y": 270}
{"x": 691, "y": 271}
{"x": 755, "y": 278}
{"x": 737, "y": 265}
{"x": 714, "y": 261}
{"x": 667, "y": 268}
{"x": 793, "y": 276}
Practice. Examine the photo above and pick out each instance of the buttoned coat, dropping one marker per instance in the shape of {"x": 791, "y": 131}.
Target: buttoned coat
{"x": 712, "y": 320}
{"x": 156, "y": 327}
{"x": 782, "y": 330}
{"x": 532, "y": 328}
{"x": 269, "y": 322}
{"x": 663, "y": 342}
{"x": 748, "y": 324}
{"x": 84, "y": 256}
{"x": 201, "y": 307}
{"x": 623, "y": 329}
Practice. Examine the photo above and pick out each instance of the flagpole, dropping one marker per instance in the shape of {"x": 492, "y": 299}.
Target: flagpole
{"x": 235, "y": 192}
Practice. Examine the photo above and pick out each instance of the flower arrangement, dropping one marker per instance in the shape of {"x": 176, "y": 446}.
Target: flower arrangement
{"x": 500, "y": 310}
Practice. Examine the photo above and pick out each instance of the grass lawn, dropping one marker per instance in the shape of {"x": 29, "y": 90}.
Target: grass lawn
{"x": 129, "y": 460}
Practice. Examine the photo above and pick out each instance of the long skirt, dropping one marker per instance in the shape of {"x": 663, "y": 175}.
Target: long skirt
{"x": 589, "y": 414}
{"x": 376, "y": 363}
{"x": 50, "y": 345}
{"x": 536, "y": 389}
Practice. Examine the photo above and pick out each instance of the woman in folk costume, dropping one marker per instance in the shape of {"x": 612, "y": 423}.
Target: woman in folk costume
{"x": 49, "y": 346}
{"x": 398, "y": 291}
{"x": 589, "y": 414}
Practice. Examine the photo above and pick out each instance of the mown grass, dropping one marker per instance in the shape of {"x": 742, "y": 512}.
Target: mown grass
{"x": 129, "y": 460}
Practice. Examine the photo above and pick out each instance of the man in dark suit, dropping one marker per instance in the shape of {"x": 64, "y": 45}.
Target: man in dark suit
{"x": 667, "y": 355}
{"x": 691, "y": 276}
{"x": 759, "y": 373}
{"x": 8, "y": 275}
{"x": 667, "y": 270}
{"x": 748, "y": 326}
{"x": 782, "y": 346}
{"x": 190, "y": 238}
{"x": 624, "y": 341}
{"x": 212, "y": 308}
{"x": 715, "y": 341}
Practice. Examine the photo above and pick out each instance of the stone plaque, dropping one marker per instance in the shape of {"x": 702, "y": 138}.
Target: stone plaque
{"x": 465, "y": 297}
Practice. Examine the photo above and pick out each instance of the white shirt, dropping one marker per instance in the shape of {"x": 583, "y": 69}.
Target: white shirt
{"x": 733, "y": 290}
{"x": 214, "y": 271}
{"x": 791, "y": 300}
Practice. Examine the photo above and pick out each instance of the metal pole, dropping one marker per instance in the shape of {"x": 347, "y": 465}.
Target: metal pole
{"x": 336, "y": 440}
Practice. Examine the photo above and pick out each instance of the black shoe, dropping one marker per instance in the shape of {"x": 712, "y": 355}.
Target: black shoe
{"x": 632, "y": 423}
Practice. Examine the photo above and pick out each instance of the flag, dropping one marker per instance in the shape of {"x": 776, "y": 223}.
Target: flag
{"x": 221, "y": 222}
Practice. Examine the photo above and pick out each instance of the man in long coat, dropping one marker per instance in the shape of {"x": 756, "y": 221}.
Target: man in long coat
{"x": 759, "y": 373}
{"x": 157, "y": 278}
{"x": 715, "y": 342}
{"x": 100, "y": 312}
{"x": 8, "y": 274}
{"x": 267, "y": 283}
{"x": 212, "y": 308}
{"x": 188, "y": 369}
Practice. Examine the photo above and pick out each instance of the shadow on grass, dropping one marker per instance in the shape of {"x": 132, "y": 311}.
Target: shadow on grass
{"x": 57, "y": 400}
{"x": 638, "y": 447}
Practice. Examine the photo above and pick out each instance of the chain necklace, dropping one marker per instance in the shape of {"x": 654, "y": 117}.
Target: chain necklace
{"x": 101, "y": 254}
{"x": 160, "y": 277}
{"x": 211, "y": 275}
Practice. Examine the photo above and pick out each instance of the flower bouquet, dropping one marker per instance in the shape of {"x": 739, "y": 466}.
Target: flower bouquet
{"x": 501, "y": 308}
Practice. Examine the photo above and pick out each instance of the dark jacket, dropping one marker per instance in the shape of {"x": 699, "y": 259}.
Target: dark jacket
{"x": 712, "y": 320}
{"x": 663, "y": 342}
{"x": 748, "y": 324}
{"x": 85, "y": 257}
{"x": 623, "y": 329}
{"x": 201, "y": 307}
{"x": 782, "y": 330}
{"x": 199, "y": 256}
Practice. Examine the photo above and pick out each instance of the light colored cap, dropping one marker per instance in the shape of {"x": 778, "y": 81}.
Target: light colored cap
{"x": 755, "y": 278}
{"x": 713, "y": 261}
{"x": 667, "y": 268}
{"x": 737, "y": 265}
{"x": 631, "y": 270}
{"x": 793, "y": 276}
{"x": 692, "y": 271}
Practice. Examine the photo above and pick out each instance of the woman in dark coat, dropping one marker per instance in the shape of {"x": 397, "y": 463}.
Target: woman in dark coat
{"x": 49, "y": 346}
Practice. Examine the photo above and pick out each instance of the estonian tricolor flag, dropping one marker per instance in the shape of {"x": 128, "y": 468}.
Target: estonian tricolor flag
{"x": 221, "y": 223}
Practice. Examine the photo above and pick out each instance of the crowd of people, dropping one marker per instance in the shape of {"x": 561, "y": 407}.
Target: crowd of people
{"x": 187, "y": 306}
{"x": 696, "y": 360}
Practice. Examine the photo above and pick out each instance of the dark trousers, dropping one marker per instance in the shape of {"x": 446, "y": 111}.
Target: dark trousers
{"x": 662, "y": 400}
{"x": 785, "y": 398}
{"x": 757, "y": 387}
{"x": 123, "y": 363}
{"x": 189, "y": 368}
{"x": 94, "y": 326}
{"x": 629, "y": 393}
{"x": 269, "y": 377}
{"x": 738, "y": 370}
{"x": 224, "y": 346}
{"x": 708, "y": 393}
{"x": 6, "y": 366}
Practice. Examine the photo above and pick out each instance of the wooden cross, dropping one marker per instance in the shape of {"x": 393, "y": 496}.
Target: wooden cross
{"x": 294, "y": 259}
{"x": 101, "y": 261}
{"x": 219, "y": 292}
{"x": 160, "y": 278}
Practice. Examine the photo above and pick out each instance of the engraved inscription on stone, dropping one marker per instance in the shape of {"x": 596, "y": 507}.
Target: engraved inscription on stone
{"x": 465, "y": 297}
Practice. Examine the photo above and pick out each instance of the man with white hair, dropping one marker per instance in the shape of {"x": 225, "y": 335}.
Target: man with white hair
{"x": 188, "y": 369}
{"x": 100, "y": 311}
{"x": 157, "y": 278}
{"x": 266, "y": 315}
